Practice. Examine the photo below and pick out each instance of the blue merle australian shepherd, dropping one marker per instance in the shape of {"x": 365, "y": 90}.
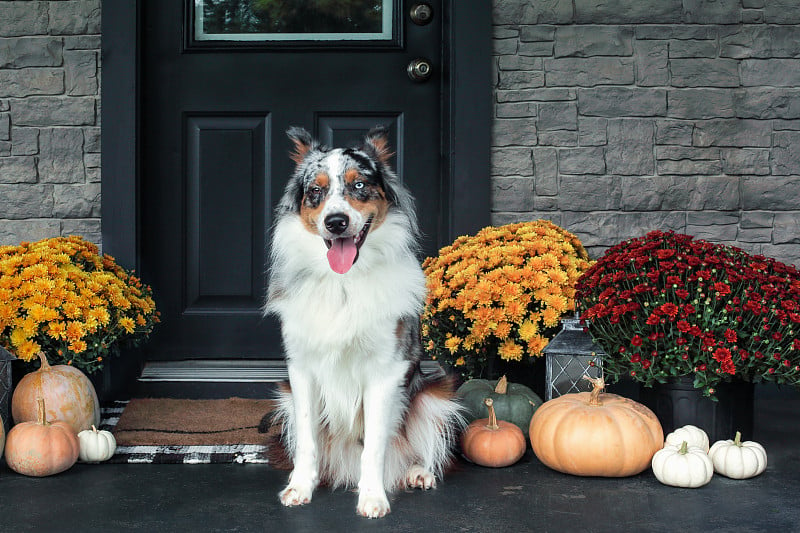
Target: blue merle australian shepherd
{"x": 346, "y": 283}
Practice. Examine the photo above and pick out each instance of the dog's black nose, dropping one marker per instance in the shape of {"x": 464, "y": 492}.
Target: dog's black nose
{"x": 337, "y": 223}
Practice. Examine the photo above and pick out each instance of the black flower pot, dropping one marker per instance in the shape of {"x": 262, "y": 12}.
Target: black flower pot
{"x": 677, "y": 403}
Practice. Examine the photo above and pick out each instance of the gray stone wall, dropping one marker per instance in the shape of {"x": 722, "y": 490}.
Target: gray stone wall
{"x": 49, "y": 120}
{"x": 616, "y": 117}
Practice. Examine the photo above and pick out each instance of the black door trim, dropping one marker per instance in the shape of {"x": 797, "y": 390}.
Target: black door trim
{"x": 466, "y": 123}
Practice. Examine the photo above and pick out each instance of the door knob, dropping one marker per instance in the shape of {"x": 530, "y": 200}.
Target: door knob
{"x": 419, "y": 69}
{"x": 421, "y": 14}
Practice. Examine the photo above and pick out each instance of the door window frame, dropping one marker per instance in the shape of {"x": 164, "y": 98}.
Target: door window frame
{"x": 466, "y": 123}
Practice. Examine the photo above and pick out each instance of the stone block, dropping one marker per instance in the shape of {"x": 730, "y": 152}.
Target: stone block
{"x": 531, "y": 12}
{"x": 512, "y": 194}
{"x": 772, "y": 72}
{"x": 24, "y": 141}
{"x": 17, "y": 169}
{"x": 756, "y": 219}
{"x": 93, "y": 175}
{"x": 500, "y": 219}
{"x": 674, "y": 132}
{"x": 557, "y": 116}
{"x": 91, "y": 139}
{"x": 782, "y": 12}
{"x": 82, "y": 42}
{"x": 88, "y": 228}
{"x": 787, "y": 229}
{"x": 61, "y": 155}
{"x": 604, "y": 229}
{"x": 714, "y": 12}
{"x": 627, "y": 12}
{"x": 752, "y": 16}
{"x": 652, "y": 63}
{"x": 622, "y": 102}
{"x": 692, "y": 48}
{"x": 786, "y": 125}
{"x": 589, "y": 193}
{"x": 515, "y": 110}
{"x": 741, "y": 42}
{"x": 654, "y": 193}
{"x": 710, "y": 193}
{"x": 516, "y": 62}
{"x": 81, "y": 72}
{"x": 733, "y": 132}
{"x": 521, "y": 79}
{"x": 512, "y": 131}
{"x": 511, "y": 162}
{"x": 712, "y": 226}
{"x": 745, "y": 161}
{"x": 31, "y": 81}
{"x": 688, "y": 167}
{"x": 23, "y": 52}
{"x": 536, "y": 49}
{"x": 754, "y": 235}
{"x": 505, "y": 46}
{"x": 581, "y": 161}
{"x": 786, "y": 153}
{"x": 26, "y": 200}
{"x": 74, "y": 18}
{"x": 537, "y": 33}
{"x": 5, "y": 148}
{"x": 753, "y": 4}
{"x": 589, "y": 72}
{"x": 545, "y": 165}
{"x": 537, "y": 95}
{"x": 91, "y": 160}
{"x": 52, "y": 111}
{"x": 585, "y": 41}
{"x": 785, "y": 41}
{"x": 704, "y": 72}
{"x": 5, "y": 127}
{"x": 770, "y": 193}
{"x": 630, "y": 147}
{"x": 558, "y": 138}
{"x": 676, "y": 31}
{"x": 788, "y": 254}
{"x": 13, "y": 232}
{"x": 767, "y": 102}
{"x": 23, "y": 18}
{"x": 592, "y": 131}
{"x": 76, "y": 201}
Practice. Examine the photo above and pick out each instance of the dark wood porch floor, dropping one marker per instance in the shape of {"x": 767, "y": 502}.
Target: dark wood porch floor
{"x": 525, "y": 497}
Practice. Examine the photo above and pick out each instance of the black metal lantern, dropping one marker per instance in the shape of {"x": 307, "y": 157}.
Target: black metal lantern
{"x": 571, "y": 355}
{"x": 5, "y": 387}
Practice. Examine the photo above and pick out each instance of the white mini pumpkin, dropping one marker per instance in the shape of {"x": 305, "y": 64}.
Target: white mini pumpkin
{"x": 684, "y": 466}
{"x": 738, "y": 460}
{"x": 96, "y": 445}
{"x": 693, "y": 435}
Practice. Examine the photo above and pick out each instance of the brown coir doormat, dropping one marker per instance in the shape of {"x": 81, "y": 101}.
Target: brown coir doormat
{"x": 166, "y": 430}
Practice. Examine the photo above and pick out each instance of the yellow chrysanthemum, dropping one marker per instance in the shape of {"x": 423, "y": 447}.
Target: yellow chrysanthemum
{"x": 453, "y": 344}
{"x": 510, "y": 351}
{"x": 127, "y": 324}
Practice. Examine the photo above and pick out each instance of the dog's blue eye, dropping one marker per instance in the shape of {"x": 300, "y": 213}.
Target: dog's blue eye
{"x": 358, "y": 185}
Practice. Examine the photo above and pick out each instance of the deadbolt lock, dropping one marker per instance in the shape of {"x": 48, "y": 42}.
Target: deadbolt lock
{"x": 421, "y": 13}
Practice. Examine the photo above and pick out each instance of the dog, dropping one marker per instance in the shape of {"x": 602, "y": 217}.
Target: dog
{"x": 346, "y": 283}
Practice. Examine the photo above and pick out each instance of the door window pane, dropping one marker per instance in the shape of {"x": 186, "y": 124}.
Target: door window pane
{"x": 292, "y": 20}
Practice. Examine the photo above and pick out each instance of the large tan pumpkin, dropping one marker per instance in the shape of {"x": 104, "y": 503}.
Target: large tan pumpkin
{"x": 595, "y": 434}
{"x": 69, "y": 395}
{"x": 41, "y": 448}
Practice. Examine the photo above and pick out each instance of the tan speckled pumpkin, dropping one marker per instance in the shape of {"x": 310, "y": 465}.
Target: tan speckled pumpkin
{"x": 69, "y": 395}
{"x": 595, "y": 434}
{"x": 41, "y": 448}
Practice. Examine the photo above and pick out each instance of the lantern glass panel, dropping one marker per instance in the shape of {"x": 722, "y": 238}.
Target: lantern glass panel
{"x": 570, "y": 356}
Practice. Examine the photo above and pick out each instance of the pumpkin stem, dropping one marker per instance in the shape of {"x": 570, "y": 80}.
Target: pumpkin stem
{"x": 684, "y": 448}
{"x": 502, "y": 386}
{"x": 492, "y": 416}
{"x": 43, "y": 359}
{"x": 598, "y": 384}
{"x": 42, "y": 413}
{"x": 737, "y": 440}
{"x": 94, "y": 429}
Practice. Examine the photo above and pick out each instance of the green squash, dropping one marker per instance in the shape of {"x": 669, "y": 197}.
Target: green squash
{"x": 513, "y": 402}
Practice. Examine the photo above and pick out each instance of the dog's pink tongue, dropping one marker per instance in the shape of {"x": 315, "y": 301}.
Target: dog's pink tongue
{"x": 341, "y": 254}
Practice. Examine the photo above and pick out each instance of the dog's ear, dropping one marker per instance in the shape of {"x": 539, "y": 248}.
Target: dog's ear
{"x": 377, "y": 143}
{"x": 303, "y": 143}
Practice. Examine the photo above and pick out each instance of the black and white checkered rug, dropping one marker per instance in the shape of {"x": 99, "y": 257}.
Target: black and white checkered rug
{"x": 235, "y": 453}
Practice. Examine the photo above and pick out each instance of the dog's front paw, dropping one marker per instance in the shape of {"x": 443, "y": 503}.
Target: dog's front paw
{"x": 373, "y": 504}
{"x": 294, "y": 495}
{"x": 419, "y": 478}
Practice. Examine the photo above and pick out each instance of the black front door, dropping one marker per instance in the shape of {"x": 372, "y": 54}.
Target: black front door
{"x": 216, "y": 101}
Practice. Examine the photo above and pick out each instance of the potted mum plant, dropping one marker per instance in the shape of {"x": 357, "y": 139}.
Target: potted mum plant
{"x": 495, "y": 298}
{"x": 60, "y": 297}
{"x": 668, "y": 308}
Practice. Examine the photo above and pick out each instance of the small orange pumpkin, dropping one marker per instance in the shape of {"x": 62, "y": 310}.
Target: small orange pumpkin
{"x": 595, "y": 434}
{"x": 69, "y": 394}
{"x": 41, "y": 448}
{"x": 492, "y": 442}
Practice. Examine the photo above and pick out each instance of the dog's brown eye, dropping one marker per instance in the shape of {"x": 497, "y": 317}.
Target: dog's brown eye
{"x": 315, "y": 190}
